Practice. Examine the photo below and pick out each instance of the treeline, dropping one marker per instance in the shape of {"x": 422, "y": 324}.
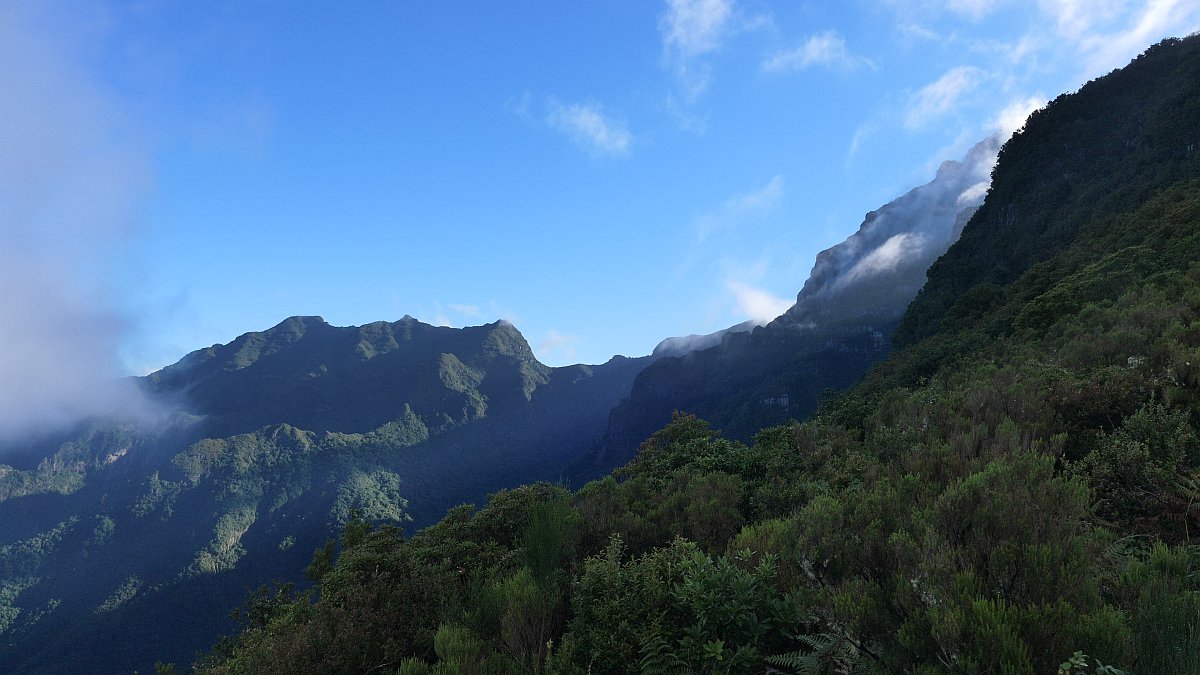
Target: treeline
{"x": 1032, "y": 501}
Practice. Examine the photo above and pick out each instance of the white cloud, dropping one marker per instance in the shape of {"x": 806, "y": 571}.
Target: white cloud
{"x": 1013, "y": 116}
{"x": 864, "y": 131}
{"x": 939, "y": 97}
{"x": 756, "y": 304}
{"x": 1156, "y": 19}
{"x": 467, "y": 310}
{"x": 974, "y": 193}
{"x": 824, "y": 49}
{"x": 557, "y": 346}
{"x": 972, "y": 9}
{"x": 455, "y": 315}
{"x": 1074, "y": 18}
{"x": 739, "y": 207}
{"x": 691, "y": 30}
{"x": 694, "y": 27}
{"x": 886, "y": 257}
{"x": 589, "y": 126}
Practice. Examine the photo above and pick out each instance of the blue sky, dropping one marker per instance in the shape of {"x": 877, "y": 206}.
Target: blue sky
{"x": 603, "y": 174}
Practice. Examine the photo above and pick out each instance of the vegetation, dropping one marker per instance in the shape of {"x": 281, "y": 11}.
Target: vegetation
{"x": 1016, "y": 491}
{"x": 106, "y": 530}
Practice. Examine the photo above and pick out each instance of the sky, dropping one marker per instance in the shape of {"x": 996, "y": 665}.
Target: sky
{"x": 603, "y": 174}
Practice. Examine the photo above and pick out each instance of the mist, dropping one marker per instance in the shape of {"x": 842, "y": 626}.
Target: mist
{"x": 70, "y": 179}
{"x": 878, "y": 270}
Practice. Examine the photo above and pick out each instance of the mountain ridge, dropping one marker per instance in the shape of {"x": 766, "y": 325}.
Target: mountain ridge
{"x": 840, "y": 324}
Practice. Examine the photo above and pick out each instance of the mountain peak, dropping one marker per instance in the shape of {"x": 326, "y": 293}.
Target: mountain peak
{"x": 879, "y": 269}
{"x": 308, "y": 373}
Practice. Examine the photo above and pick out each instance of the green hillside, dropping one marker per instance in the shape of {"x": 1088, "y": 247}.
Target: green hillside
{"x": 1013, "y": 491}
{"x": 274, "y": 441}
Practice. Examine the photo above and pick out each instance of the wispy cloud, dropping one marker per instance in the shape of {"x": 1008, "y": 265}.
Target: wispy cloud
{"x": 824, "y": 49}
{"x": 1013, "y": 116}
{"x": 694, "y": 27}
{"x": 467, "y": 310}
{"x": 739, "y": 207}
{"x": 456, "y": 314}
{"x": 975, "y": 10}
{"x": 757, "y": 304}
{"x": 691, "y": 31}
{"x": 1110, "y": 49}
{"x": 1076, "y": 18}
{"x": 589, "y": 126}
{"x": 521, "y": 106}
{"x": 885, "y": 257}
{"x": 557, "y": 346}
{"x": 940, "y": 96}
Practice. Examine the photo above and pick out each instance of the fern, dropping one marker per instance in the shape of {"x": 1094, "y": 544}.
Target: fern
{"x": 657, "y": 656}
{"x": 798, "y": 662}
{"x": 824, "y": 653}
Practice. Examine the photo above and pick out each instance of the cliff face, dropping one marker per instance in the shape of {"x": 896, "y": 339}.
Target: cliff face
{"x": 1104, "y": 151}
{"x": 879, "y": 269}
{"x": 744, "y": 378}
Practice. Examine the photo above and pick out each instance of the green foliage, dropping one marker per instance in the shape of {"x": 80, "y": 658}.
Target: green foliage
{"x": 1145, "y": 470}
{"x": 123, "y": 594}
{"x": 549, "y": 537}
{"x": 823, "y": 653}
{"x": 322, "y": 562}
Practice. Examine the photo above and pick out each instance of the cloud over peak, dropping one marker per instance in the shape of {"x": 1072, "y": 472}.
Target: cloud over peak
{"x": 758, "y": 305}
{"x": 557, "y": 347}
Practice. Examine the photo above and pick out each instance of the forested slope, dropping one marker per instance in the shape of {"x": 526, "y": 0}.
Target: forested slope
{"x": 125, "y": 530}
{"x": 1014, "y": 491}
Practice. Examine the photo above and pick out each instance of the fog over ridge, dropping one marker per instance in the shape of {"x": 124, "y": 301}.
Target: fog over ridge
{"x": 877, "y": 270}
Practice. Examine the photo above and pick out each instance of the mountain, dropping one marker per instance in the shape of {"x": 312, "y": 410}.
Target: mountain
{"x": 685, "y": 344}
{"x": 1012, "y": 490}
{"x": 274, "y": 441}
{"x": 877, "y": 271}
{"x": 1132, "y": 133}
{"x": 744, "y": 378}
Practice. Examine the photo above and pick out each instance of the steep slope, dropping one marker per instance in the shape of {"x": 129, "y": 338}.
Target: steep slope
{"x": 1128, "y": 135}
{"x": 839, "y": 326}
{"x": 1015, "y": 493}
{"x": 279, "y": 437}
